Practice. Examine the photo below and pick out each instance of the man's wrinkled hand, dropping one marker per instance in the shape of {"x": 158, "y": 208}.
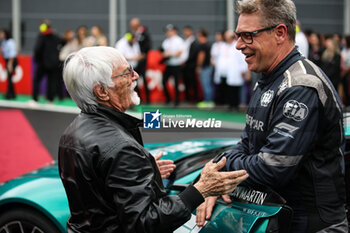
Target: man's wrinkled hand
{"x": 215, "y": 183}
{"x": 166, "y": 167}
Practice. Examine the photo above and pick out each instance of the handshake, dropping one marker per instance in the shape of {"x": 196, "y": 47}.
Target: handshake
{"x": 215, "y": 183}
{"x": 212, "y": 182}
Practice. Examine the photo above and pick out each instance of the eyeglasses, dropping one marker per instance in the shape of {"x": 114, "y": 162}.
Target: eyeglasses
{"x": 131, "y": 71}
{"x": 247, "y": 37}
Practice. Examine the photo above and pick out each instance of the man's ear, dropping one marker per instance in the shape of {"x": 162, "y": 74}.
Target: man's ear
{"x": 281, "y": 33}
{"x": 101, "y": 92}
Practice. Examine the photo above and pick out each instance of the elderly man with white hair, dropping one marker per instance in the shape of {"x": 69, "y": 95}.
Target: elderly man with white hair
{"x": 113, "y": 183}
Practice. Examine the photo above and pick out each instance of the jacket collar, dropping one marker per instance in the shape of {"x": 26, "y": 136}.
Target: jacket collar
{"x": 130, "y": 123}
{"x": 290, "y": 59}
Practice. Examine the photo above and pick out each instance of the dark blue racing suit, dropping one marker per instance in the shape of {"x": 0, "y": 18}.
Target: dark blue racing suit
{"x": 293, "y": 142}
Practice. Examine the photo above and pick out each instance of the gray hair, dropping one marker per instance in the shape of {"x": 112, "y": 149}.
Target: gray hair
{"x": 273, "y": 12}
{"x": 85, "y": 69}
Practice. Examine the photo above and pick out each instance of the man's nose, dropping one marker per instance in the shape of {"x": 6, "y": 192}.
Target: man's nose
{"x": 135, "y": 76}
{"x": 240, "y": 44}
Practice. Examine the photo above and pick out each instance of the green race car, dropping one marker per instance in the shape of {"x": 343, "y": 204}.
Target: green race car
{"x": 37, "y": 202}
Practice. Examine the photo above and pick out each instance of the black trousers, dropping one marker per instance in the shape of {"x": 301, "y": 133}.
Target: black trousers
{"x": 226, "y": 94}
{"x": 190, "y": 80}
{"x": 232, "y": 94}
{"x": 54, "y": 82}
{"x": 10, "y": 94}
{"x": 175, "y": 72}
{"x": 141, "y": 70}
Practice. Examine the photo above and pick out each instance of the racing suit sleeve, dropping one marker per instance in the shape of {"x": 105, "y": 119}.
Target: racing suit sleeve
{"x": 141, "y": 202}
{"x": 290, "y": 134}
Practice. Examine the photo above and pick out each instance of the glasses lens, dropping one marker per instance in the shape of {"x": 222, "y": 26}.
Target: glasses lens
{"x": 247, "y": 37}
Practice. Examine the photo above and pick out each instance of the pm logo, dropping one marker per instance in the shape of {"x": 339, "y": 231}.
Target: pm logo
{"x": 151, "y": 120}
{"x": 295, "y": 110}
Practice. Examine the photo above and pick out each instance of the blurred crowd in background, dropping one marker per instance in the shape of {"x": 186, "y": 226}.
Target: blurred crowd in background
{"x": 212, "y": 73}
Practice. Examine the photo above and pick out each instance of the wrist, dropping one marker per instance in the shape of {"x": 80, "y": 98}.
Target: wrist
{"x": 201, "y": 189}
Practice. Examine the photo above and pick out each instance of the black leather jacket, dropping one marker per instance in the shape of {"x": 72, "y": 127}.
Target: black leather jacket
{"x": 112, "y": 183}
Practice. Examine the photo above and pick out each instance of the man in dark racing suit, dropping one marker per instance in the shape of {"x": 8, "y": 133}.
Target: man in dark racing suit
{"x": 293, "y": 141}
{"x": 113, "y": 183}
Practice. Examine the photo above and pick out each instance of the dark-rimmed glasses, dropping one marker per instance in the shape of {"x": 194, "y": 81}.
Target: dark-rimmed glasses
{"x": 247, "y": 37}
{"x": 131, "y": 71}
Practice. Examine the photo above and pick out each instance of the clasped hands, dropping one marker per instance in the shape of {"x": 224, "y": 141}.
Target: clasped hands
{"x": 211, "y": 184}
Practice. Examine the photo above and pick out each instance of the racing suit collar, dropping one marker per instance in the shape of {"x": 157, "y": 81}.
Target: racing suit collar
{"x": 290, "y": 59}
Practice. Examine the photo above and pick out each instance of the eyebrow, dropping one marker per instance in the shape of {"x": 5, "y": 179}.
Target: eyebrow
{"x": 126, "y": 69}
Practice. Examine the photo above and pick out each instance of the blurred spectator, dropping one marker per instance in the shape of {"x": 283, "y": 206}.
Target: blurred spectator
{"x": 205, "y": 70}
{"x": 230, "y": 70}
{"x": 189, "y": 38}
{"x": 97, "y": 37}
{"x": 215, "y": 48}
{"x": 46, "y": 57}
{"x": 323, "y": 40}
{"x": 301, "y": 41}
{"x": 71, "y": 44}
{"x": 338, "y": 39}
{"x": 189, "y": 59}
{"x": 82, "y": 36}
{"x": 9, "y": 51}
{"x": 315, "y": 49}
{"x": 331, "y": 61}
{"x": 144, "y": 40}
{"x": 130, "y": 48}
{"x": 214, "y": 54}
{"x": 172, "y": 48}
{"x": 307, "y": 33}
{"x": 345, "y": 74}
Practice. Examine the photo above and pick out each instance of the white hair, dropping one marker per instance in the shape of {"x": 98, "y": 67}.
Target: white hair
{"x": 88, "y": 67}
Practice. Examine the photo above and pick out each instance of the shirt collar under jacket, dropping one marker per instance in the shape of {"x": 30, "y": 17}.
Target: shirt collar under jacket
{"x": 289, "y": 60}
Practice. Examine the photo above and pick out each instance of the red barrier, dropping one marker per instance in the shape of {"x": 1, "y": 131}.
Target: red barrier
{"x": 22, "y": 78}
{"x": 154, "y": 74}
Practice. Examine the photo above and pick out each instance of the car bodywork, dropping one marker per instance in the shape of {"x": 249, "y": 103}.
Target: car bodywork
{"x": 42, "y": 191}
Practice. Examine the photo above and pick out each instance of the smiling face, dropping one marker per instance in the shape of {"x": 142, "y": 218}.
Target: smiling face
{"x": 122, "y": 96}
{"x": 262, "y": 54}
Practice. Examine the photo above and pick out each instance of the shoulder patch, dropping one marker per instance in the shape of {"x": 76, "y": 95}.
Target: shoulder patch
{"x": 295, "y": 110}
{"x": 266, "y": 98}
